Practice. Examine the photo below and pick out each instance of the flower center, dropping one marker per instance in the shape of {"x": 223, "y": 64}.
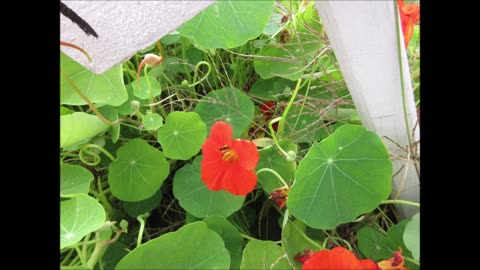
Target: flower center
{"x": 228, "y": 154}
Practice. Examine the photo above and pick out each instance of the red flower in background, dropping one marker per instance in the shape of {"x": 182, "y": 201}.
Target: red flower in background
{"x": 338, "y": 258}
{"x": 409, "y": 15}
{"x": 267, "y": 108}
{"x": 228, "y": 164}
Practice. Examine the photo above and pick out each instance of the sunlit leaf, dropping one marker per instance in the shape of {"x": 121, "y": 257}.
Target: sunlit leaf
{"x": 79, "y": 215}
{"x": 228, "y": 24}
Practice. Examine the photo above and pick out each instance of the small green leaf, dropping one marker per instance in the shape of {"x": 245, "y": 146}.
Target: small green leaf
{"x": 193, "y": 246}
{"x": 126, "y": 108}
{"x": 228, "y": 24}
{"x": 182, "y": 135}
{"x": 340, "y": 178}
{"x": 144, "y": 91}
{"x": 411, "y": 236}
{"x": 294, "y": 241}
{"x": 229, "y": 105}
{"x": 107, "y": 87}
{"x": 79, "y": 215}
{"x": 271, "y": 158}
{"x": 195, "y": 197}
{"x": 138, "y": 172}
{"x": 135, "y": 209}
{"x": 260, "y": 254}
{"x": 78, "y": 128}
{"x": 152, "y": 121}
{"x": 74, "y": 179}
{"x": 231, "y": 237}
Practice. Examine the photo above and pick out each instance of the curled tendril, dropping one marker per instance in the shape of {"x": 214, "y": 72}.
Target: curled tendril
{"x": 195, "y": 74}
{"x": 96, "y": 158}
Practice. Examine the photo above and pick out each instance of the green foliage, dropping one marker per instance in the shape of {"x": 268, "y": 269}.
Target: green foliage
{"x": 132, "y": 194}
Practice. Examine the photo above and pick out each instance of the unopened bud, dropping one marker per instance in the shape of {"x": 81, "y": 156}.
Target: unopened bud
{"x": 184, "y": 82}
{"x": 152, "y": 60}
{"x": 135, "y": 105}
{"x": 291, "y": 156}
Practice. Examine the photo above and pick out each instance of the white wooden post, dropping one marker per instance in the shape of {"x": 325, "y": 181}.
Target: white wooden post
{"x": 364, "y": 38}
{"x": 122, "y": 27}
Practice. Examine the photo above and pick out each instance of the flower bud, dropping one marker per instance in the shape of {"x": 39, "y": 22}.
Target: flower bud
{"x": 152, "y": 60}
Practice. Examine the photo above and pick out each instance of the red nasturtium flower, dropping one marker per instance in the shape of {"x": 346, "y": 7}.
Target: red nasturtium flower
{"x": 267, "y": 108}
{"x": 338, "y": 258}
{"x": 395, "y": 263}
{"x": 228, "y": 164}
{"x": 409, "y": 15}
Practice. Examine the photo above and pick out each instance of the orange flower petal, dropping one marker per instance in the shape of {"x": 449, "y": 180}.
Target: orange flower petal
{"x": 247, "y": 153}
{"x": 369, "y": 264}
{"x": 337, "y": 258}
{"x": 221, "y": 133}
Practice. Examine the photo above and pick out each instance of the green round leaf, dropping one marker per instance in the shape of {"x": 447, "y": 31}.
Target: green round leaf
{"x": 231, "y": 237}
{"x": 271, "y": 158}
{"x": 182, "y": 135}
{"x": 74, "y": 179}
{"x": 138, "y": 172}
{"x": 107, "y": 87}
{"x": 135, "y": 209}
{"x": 411, "y": 236}
{"x": 228, "y": 24}
{"x": 340, "y": 178}
{"x": 152, "y": 121}
{"x": 78, "y": 128}
{"x": 294, "y": 241}
{"x": 227, "y": 104}
{"x": 195, "y": 197}
{"x": 304, "y": 44}
{"x": 260, "y": 254}
{"x": 144, "y": 91}
{"x": 79, "y": 215}
{"x": 193, "y": 246}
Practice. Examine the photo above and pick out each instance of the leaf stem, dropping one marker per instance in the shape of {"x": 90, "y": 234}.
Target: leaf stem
{"x": 274, "y": 173}
{"x": 281, "y": 125}
{"x": 400, "y": 202}
{"x": 400, "y": 62}
{"x": 140, "y": 219}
